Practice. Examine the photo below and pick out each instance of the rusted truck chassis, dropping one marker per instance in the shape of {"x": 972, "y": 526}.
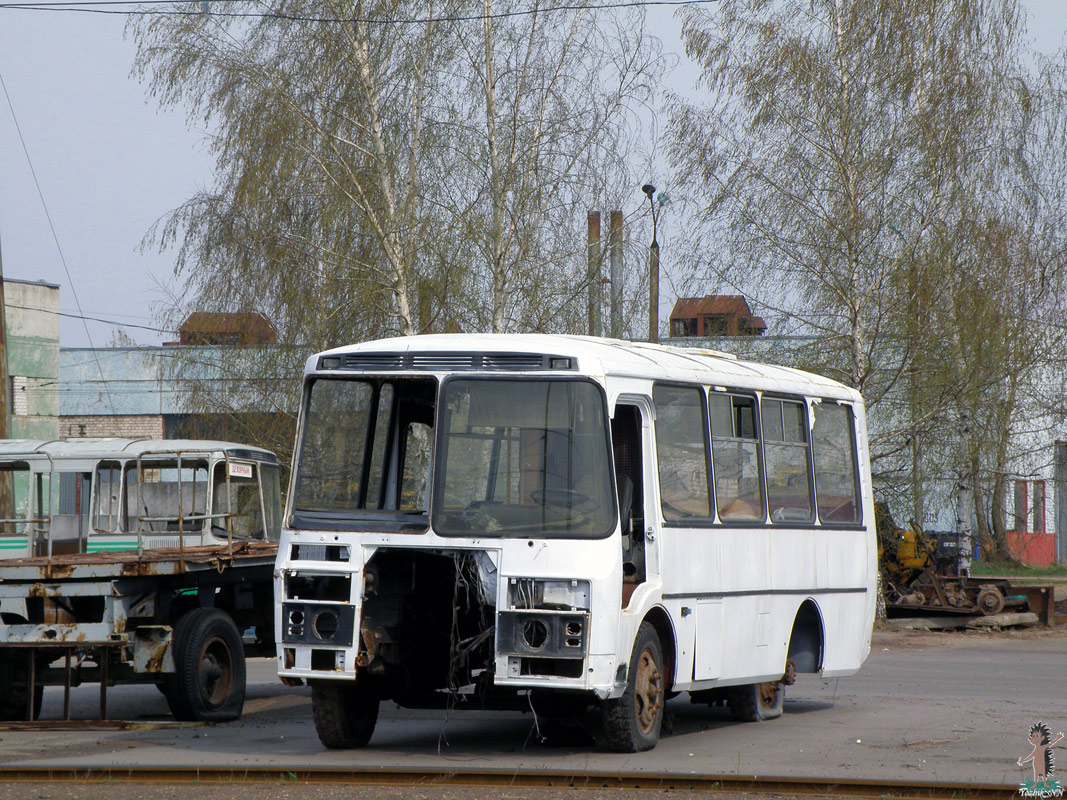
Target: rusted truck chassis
{"x": 170, "y": 616}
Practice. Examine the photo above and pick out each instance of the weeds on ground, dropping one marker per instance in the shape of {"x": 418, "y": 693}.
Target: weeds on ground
{"x": 1013, "y": 569}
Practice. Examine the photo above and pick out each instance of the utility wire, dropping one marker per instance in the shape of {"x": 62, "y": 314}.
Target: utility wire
{"x": 111, "y": 322}
{"x": 103, "y": 7}
{"x": 55, "y": 237}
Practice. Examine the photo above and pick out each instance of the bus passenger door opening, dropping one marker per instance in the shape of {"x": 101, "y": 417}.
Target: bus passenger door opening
{"x": 626, "y": 449}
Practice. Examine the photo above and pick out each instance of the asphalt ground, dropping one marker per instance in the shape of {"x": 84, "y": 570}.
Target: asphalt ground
{"x": 948, "y": 707}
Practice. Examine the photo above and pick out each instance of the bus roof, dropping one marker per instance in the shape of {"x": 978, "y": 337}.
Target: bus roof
{"x": 126, "y": 448}
{"x": 595, "y": 356}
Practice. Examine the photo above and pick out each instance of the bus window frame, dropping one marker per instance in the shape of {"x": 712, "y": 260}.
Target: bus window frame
{"x": 440, "y": 452}
{"x": 754, "y": 394}
{"x": 363, "y": 520}
{"x": 709, "y": 473}
{"x": 857, "y": 484}
{"x": 803, "y": 401}
{"x": 123, "y": 520}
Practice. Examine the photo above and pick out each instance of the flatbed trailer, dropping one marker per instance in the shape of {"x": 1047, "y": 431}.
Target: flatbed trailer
{"x": 135, "y": 562}
{"x": 151, "y": 620}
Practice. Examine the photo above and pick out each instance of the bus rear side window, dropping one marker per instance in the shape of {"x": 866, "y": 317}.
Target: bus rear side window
{"x": 735, "y": 457}
{"x": 834, "y": 445}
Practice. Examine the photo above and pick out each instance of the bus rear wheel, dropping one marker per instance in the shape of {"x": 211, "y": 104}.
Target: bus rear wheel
{"x": 345, "y": 714}
{"x": 632, "y": 722}
{"x": 756, "y": 702}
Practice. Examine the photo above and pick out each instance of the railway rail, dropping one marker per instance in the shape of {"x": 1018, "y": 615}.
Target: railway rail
{"x": 513, "y": 779}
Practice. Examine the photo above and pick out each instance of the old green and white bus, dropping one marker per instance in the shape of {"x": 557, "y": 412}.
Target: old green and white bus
{"x": 520, "y": 520}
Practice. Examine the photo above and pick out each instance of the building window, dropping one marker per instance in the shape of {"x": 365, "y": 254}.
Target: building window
{"x": 16, "y": 388}
{"x": 716, "y": 325}
{"x": 1039, "y": 507}
{"x": 1021, "y": 503}
{"x": 684, "y": 327}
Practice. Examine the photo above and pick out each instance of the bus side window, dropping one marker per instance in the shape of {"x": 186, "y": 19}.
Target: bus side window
{"x": 237, "y": 497}
{"x": 14, "y": 500}
{"x": 788, "y": 460}
{"x": 682, "y": 452}
{"x": 833, "y": 441}
{"x": 735, "y": 457}
{"x": 108, "y": 516}
{"x": 66, "y": 496}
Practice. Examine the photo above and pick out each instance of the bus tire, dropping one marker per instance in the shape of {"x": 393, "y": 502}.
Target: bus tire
{"x": 208, "y": 684}
{"x": 632, "y": 723}
{"x": 345, "y": 714}
{"x": 756, "y": 702}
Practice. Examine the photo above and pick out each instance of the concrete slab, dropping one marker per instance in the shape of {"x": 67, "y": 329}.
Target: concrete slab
{"x": 954, "y": 707}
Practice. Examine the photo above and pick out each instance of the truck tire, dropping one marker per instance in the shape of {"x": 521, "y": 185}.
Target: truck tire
{"x": 345, "y": 714}
{"x": 208, "y": 684}
{"x": 632, "y": 722}
{"x": 756, "y": 702}
{"x": 14, "y": 670}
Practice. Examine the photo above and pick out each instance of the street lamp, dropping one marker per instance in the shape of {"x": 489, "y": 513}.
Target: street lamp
{"x": 653, "y": 270}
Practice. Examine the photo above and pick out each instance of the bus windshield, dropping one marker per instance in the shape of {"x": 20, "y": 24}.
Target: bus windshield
{"x": 523, "y": 458}
{"x": 365, "y": 455}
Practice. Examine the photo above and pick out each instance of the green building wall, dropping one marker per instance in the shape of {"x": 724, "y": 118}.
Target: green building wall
{"x": 31, "y": 311}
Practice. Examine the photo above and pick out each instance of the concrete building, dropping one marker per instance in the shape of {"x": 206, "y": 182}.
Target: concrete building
{"x": 31, "y": 310}
{"x": 115, "y": 391}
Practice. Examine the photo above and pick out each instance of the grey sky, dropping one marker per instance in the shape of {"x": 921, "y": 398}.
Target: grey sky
{"x": 110, "y": 163}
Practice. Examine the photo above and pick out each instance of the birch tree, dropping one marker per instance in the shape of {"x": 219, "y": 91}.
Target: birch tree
{"x": 390, "y": 168}
{"x": 862, "y": 168}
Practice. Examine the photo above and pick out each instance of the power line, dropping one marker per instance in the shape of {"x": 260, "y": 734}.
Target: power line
{"x": 48, "y": 216}
{"x": 104, "y": 7}
{"x": 112, "y": 322}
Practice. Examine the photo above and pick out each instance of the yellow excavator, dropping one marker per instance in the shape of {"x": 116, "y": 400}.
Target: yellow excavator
{"x": 916, "y": 578}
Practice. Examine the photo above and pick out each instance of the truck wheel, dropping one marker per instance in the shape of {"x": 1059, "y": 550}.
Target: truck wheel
{"x": 632, "y": 722}
{"x": 755, "y": 702}
{"x": 208, "y": 683}
{"x": 14, "y": 670}
{"x": 345, "y": 714}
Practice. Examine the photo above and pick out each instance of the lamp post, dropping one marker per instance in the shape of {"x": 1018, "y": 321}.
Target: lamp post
{"x": 653, "y": 270}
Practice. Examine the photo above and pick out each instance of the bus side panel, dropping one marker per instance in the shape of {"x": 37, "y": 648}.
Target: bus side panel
{"x": 846, "y": 629}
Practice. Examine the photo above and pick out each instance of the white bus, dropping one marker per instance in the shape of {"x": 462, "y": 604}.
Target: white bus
{"x": 74, "y": 496}
{"x": 487, "y": 521}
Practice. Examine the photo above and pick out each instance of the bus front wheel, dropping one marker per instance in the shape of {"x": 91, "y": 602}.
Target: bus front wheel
{"x": 632, "y": 722}
{"x": 755, "y": 702}
{"x": 345, "y": 714}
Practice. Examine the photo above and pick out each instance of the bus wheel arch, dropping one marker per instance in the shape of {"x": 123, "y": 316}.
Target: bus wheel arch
{"x": 807, "y": 640}
{"x": 658, "y": 618}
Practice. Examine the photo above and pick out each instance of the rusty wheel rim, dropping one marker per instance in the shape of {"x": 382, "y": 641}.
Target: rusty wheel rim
{"x": 216, "y": 672}
{"x": 768, "y": 694}
{"x": 648, "y": 692}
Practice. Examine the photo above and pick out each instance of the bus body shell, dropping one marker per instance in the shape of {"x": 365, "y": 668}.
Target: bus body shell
{"x": 733, "y": 603}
